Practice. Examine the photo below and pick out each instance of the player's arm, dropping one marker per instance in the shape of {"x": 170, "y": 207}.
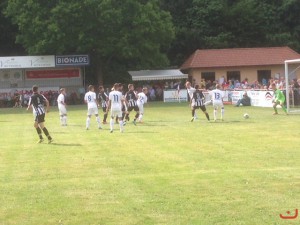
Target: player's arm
{"x": 29, "y": 104}
{"x": 47, "y": 104}
{"x": 108, "y": 105}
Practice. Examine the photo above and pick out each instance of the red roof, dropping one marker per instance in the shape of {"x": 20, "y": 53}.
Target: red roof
{"x": 209, "y": 58}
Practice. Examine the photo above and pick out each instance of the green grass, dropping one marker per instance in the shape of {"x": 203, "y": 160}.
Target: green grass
{"x": 164, "y": 171}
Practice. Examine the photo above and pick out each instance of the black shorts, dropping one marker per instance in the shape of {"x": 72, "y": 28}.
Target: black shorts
{"x": 202, "y": 107}
{"x": 130, "y": 108}
{"x": 40, "y": 118}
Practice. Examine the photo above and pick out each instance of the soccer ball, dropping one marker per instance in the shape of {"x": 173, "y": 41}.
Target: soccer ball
{"x": 246, "y": 116}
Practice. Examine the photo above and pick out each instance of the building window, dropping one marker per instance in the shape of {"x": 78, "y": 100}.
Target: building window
{"x": 208, "y": 76}
{"x": 263, "y": 76}
{"x": 234, "y": 75}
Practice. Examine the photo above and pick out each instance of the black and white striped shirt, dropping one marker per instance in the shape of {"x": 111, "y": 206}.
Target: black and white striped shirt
{"x": 198, "y": 98}
{"x": 37, "y": 101}
{"x": 131, "y": 98}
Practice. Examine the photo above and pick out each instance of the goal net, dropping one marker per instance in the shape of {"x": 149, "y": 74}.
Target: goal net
{"x": 292, "y": 75}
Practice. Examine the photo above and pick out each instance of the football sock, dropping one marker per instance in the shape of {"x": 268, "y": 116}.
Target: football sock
{"x": 215, "y": 114}
{"x": 104, "y": 117}
{"x": 284, "y": 108}
{"x": 136, "y": 116}
{"x": 121, "y": 124}
{"x": 98, "y": 120}
{"x": 47, "y": 133}
{"x": 111, "y": 124}
{"x": 88, "y": 120}
{"x": 207, "y": 116}
{"x": 65, "y": 119}
{"x": 193, "y": 112}
{"x": 275, "y": 109}
{"x": 39, "y": 131}
{"x": 222, "y": 113}
{"x": 61, "y": 120}
{"x": 140, "y": 117}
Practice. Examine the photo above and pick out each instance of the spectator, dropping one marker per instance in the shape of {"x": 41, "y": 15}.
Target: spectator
{"x": 245, "y": 100}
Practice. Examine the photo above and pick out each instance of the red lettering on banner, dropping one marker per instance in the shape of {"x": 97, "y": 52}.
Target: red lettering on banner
{"x": 52, "y": 74}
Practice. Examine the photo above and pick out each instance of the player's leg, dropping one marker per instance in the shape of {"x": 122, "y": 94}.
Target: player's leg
{"x": 283, "y": 106}
{"x": 136, "y": 109}
{"x": 104, "y": 115}
{"x": 40, "y": 121}
{"x": 39, "y": 131}
{"x": 141, "y": 112}
{"x": 215, "y": 111}
{"x": 193, "y": 113}
{"x": 121, "y": 124}
{"x": 88, "y": 119}
{"x": 222, "y": 113}
{"x": 275, "y": 103}
{"x": 98, "y": 121}
{"x": 65, "y": 119}
{"x": 112, "y": 121}
{"x": 203, "y": 108}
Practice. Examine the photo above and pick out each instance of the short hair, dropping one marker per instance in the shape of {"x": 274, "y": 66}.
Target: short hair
{"x": 116, "y": 86}
{"x": 101, "y": 87}
{"x": 218, "y": 86}
{"x": 130, "y": 85}
{"x": 35, "y": 88}
{"x": 197, "y": 86}
{"x": 91, "y": 87}
{"x": 62, "y": 89}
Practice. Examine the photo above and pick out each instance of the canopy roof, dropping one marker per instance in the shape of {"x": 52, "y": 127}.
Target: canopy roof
{"x": 157, "y": 75}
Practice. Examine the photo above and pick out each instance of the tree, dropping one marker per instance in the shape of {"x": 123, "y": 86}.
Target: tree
{"x": 128, "y": 34}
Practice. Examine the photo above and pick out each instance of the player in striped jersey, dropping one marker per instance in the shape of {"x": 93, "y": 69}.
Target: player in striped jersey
{"x": 131, "y": 101}
{"x": 190, "y": 91}
{"x": 103, "y": 100}
{"x": 217, "y": 96}
{"x": 37, "y": 102}
{"x": 197, "y": 99}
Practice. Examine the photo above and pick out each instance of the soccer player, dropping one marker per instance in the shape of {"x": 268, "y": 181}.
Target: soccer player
{"x": 190, "y": 91}
{"x": 103, "y": 100}
{"x": 142, "y": 99}
{"x": 61, "y": 103}
{"x": 131, "y": 101}
{"x": 37, "y": 102}
{"x": 92, "y": 104}
{"x": 279, "y": 99}
{"x": 217, "y": 96}
{"x": 115, "y": 102}
{"x": 198, "y": 102}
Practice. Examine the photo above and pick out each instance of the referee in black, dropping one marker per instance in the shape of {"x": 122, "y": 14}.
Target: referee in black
{"x": 38, "y": 102}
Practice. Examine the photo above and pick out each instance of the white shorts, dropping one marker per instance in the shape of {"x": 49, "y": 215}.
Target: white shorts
{"x": 217, "y": 104}
{"x": 92, "y": 111}
{"x": 141, "y": 108}
{"x": 116, "y": 112}
{"x": 62, "y": 110}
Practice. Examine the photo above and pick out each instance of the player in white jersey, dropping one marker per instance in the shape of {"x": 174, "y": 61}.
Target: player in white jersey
{"x": 115, "y": 102}
{"x": 92, "y": 103}
{"x": 142, "y": 99}
{"x": 217, "y": 96}
{"x": 61, "y": 103}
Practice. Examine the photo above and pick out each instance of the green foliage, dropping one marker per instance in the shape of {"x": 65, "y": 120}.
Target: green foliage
{"x": 130, "y": 31}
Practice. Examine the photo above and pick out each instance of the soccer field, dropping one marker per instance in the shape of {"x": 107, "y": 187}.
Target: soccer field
{"x": 167, "y": 170}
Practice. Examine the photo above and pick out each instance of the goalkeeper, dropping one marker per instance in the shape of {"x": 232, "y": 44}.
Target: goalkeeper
{"x": 279, "y": 99}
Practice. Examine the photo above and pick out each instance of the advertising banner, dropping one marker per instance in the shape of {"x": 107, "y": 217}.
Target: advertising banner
{"x": 72, "y": 60}
{"x": 27, "y": 62}
{"x": 50, "y": 74}
{"x": 12, "y": 76}
{"x": 175, "y": 95}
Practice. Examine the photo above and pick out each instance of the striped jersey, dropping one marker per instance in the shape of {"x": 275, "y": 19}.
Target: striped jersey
{"x": 131, "y": 98}
{"x": 37, "y": 102}
{"x": 103, "y": 98}
{"x": 197, "y": 98}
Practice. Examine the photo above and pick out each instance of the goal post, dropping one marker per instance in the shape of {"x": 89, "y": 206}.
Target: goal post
{"x": 292, "y": 71}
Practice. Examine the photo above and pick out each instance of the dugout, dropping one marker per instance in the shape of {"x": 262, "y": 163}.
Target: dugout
{"x": 163, "y": 81}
